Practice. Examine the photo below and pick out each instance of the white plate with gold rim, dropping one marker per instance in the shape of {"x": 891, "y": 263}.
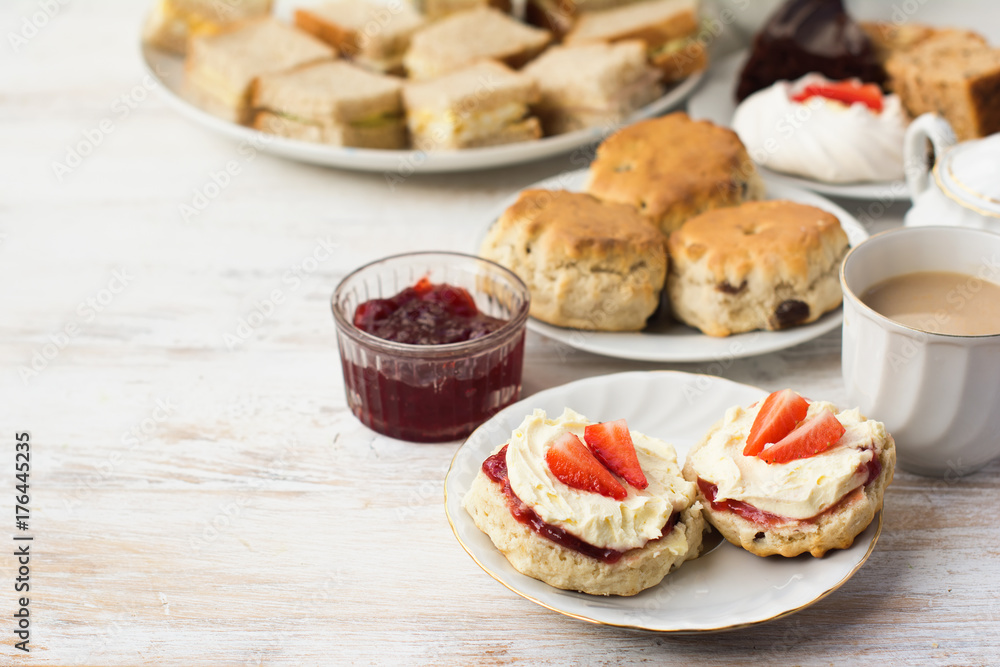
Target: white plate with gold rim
{"x": 166, "y": 71}
{"x": 725, "y": 588}
{"x": 716, "y": 101}
{"x": 669, "y": 341}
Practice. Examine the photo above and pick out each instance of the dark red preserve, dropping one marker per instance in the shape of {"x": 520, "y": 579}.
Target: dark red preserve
{"x": 426, "y": 314}
{"x": 438, "y": 375}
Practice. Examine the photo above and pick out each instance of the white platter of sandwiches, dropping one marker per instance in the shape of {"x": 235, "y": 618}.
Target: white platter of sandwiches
{"x": 381, "y": 85}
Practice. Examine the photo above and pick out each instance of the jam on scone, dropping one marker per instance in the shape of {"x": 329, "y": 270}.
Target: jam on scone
{"x": 585, "y": 506}
{"x": 789, "y": 476}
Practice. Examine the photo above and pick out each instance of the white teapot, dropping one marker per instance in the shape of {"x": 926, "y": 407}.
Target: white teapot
{"x": 963, "y": 188}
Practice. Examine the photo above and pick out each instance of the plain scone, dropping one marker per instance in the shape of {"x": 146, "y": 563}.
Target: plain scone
{"x": 833, "y": 530}
{"x": 557, "y": 566}
{"x": 760, "y": 265}
{"x": 673, "y": 168}
{"x": 588, "y": 264}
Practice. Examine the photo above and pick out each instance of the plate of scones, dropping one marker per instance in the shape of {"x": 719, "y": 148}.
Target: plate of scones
{"x": 671, "y": 247}
{"x": 432, "y": 86}
{"x": 669, "y": 501}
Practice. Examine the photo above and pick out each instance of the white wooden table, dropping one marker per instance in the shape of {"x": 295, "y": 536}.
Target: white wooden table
{"x": 199, "y": 493}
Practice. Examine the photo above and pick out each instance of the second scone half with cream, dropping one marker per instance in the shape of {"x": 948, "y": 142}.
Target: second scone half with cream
{"x": 614, "y": 547}
{"x": 810, "y": 504}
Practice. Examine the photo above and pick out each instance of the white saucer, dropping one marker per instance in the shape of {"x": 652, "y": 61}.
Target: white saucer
{"x": 715, "y": 101}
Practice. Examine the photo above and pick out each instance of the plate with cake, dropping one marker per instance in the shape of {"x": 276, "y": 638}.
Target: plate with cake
{"x": 822, "y": 100}
{"x": 589, "y": 499}
{"x": 671, "y": 247}
{"x": 365, "y": 85}
{"x": 777, "y": 137}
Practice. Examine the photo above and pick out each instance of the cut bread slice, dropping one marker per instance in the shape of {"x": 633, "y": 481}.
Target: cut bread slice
{"x": 890, "y": 39}
{"x": 222, "y": 67}
{"x": 557, "y": 16}
{"x": 668, "y": 28}
{"x": 961, "y": 83}
{"x": 484, "y": 104}
{"x": 375, "y": 36}
{"x": 333, "y": 102}
{"x": 467, "y": 37}
{"x": 654, "y": 21}
{"x": 592, "y": 84}
{"x": 172, "y": 22}
{"x": 436, "y": 9}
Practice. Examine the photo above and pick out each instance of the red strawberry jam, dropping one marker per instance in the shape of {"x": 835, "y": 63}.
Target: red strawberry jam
{"x": 495, "y": 467}
{"x": 426, "y": 314}
{"x": 430, "y": 393}
{"x": 759, "y": 516}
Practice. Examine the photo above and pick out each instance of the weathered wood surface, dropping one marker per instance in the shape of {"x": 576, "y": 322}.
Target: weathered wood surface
{"x": 200, "y": 493}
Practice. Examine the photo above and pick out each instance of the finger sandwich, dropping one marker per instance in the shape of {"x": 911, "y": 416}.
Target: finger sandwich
{"x": 374, "y": 36}
{"x": 592, "y": 84}
{"x": 220, "y": 69}
{"x": 436, "y": 9}
{"x": 482, "y": 105}
{"x": 172, "y": 22}
{"x": 558, "y": 16}
{"x": 467, "y": 37}
{"x": 331, "y": 102}
{"x": 668, "y": 27}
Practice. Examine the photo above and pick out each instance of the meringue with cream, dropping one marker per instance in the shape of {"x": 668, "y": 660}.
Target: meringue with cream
{"x": 820, "y": 138}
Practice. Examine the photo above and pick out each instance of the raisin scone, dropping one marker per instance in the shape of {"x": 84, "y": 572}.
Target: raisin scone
{"x": 554, "y": 508}
{"x": 786, "y": 476}
{"x": 761, "y": 265}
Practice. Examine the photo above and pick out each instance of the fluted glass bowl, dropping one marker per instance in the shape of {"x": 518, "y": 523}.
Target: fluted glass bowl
{"x": 431, "y": 393}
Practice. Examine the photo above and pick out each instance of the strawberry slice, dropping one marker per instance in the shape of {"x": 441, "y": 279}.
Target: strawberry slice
{"x": 611, "y": 443}
{"x": 847, "y": 92}
{"x": 781, "y": 412}
{"x": 813, "y": 437}
{"x": 574, "y": 465}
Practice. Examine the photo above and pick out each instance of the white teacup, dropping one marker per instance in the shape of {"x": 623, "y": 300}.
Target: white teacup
{"x": 938, "y": 394}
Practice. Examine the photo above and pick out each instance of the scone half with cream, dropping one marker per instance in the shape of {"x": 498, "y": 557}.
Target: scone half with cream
{"x": 787, "y": 476}
{"x": 552, "y": 505}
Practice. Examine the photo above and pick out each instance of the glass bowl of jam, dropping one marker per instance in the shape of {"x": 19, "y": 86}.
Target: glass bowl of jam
{"x": 431, "y": 343}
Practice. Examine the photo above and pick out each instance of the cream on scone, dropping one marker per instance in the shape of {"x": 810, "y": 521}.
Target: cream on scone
{"x": 594, "y": 543}
{"x": 760, "y": 265}
{"x": 799, "y": 502}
